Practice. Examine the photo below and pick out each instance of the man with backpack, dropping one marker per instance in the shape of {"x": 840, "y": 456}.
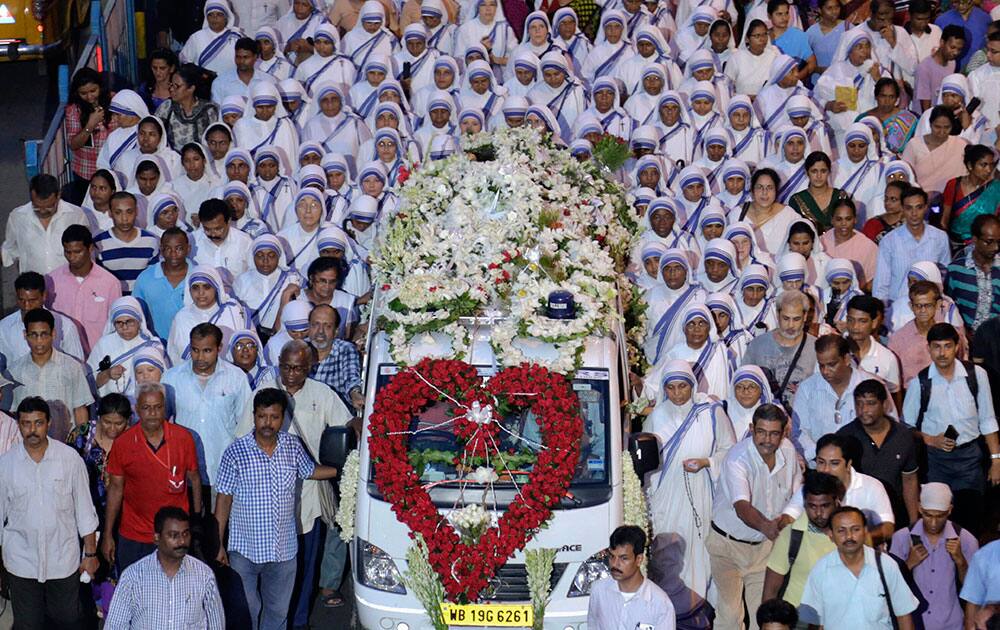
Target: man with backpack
{"x": 804, "y": 542}
{"x": 950, "y": 406}
{"x": 938, "y": 552}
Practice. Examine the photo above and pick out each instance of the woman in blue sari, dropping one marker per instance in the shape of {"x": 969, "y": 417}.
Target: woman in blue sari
{"x": 971, "y": 195}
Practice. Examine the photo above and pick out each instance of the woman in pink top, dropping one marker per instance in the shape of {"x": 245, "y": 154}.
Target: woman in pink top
{"x": 843, "y": 241}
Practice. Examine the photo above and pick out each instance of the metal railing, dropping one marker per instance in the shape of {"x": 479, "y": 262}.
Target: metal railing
{"x": 111, "y": 48}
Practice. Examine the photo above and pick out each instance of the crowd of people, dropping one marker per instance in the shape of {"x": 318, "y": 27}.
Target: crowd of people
{"x": 818, "y": 191}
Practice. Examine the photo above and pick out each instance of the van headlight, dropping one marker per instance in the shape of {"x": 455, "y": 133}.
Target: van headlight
{"x": 377, "y": 570}
{"x": 593, "y": 569}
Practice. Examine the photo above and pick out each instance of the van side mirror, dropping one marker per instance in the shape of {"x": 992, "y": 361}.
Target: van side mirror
{"x": 645, "y": 451}
{"x": 335, "y": 445}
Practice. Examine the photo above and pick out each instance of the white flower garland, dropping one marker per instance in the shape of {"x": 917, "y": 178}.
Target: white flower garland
{"x": 501, "y": 235}
{"x": 636, "y": 511}
{"x": 348, "y": 496}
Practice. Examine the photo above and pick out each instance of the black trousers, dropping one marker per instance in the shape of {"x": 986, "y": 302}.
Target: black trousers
{"x": 49, "y": 605}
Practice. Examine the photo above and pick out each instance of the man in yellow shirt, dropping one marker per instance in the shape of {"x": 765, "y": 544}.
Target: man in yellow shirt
{"x": 804, "y": 542}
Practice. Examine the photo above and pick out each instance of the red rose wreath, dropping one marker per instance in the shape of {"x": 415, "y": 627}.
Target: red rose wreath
{"x": 466, "y": 570}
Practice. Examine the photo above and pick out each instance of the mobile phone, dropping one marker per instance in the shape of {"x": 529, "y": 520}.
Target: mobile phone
{"x": 973, "y": 105}
{"x": 915, "y": 540}
{"x": 105, "y": 364}
{"x": 951, "y": 432}
{"x": 406, "y": 71}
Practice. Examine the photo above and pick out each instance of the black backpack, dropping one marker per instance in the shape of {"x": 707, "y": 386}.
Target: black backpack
{"x": 923, "y": 377}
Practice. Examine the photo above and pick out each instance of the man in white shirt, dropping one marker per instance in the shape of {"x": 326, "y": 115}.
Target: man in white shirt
{"x": 236, "y": 82}
{"x": 753, "y": 503}
{"x": 45, "y": 509}
{"x": 254, "y": 14}
{"x": 985, "y": 81}
{"x": 628, "y": 599}
{"x": 29, "y": 289}
{"x": 218, "y": 244}
{"x": 952, "y": 422}
{"x": 852, "y": 588}
{"x": 864, "y": 315}
{"x": 34, "y": 230}
{"x": 824, "y": 402}
{"x": 834, "y": 456}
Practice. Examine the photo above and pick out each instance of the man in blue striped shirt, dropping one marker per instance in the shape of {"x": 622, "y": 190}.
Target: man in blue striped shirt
{"x": 974, "y": 276}
{"x": 126, "y": 250}
{"x": 168, "y": 589}
{"x": 911, "y": 242}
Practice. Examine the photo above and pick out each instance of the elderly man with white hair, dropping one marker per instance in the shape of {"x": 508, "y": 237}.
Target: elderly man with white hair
{"x": 788, "y": 352}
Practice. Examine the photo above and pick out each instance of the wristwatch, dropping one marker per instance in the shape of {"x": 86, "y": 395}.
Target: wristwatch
{"x": 90, "y": 555}
{"x": 995, "y": 456}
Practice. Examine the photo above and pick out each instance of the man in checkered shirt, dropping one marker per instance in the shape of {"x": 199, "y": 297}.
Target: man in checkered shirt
{"x": 257, "y": 488}
{"x": 168, "y": 589}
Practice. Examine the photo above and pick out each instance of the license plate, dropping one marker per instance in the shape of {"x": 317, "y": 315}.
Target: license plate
{"x": 509, "y": 616}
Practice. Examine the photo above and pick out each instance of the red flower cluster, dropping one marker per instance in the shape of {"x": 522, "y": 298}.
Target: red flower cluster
{"x": 466, "y": 570}
{"x": 404, "y": 174}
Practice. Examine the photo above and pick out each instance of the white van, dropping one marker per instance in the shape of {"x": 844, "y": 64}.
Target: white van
{"x": 580, "y": 524}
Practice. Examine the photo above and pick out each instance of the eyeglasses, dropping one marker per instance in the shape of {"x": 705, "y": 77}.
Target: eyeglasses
{"x": 244, "y": 346}
{"x": 297, "y": 369}
{"x": 764, "y": 188}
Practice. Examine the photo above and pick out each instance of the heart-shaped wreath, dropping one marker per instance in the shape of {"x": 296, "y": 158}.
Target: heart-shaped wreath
{"x": 467, "y": 569}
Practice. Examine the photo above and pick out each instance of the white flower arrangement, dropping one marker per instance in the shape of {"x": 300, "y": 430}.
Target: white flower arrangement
{"x": 348, "y": 496}
{"x": 636, "y": 510}
{"x": 502, "y": 234}
{"x": 471, "y": 522}
{"x": 483, "y": 475}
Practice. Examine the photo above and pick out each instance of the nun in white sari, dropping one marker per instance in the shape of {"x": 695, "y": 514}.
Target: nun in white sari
{"x": 576, "y": 44}
{"x": 278, "y": 66}
{"x": 124, "y": 335}
{"x": 649, "y": 39}
{"x": 792, "y": 275}
{"x": 748, "y": 390}
{"x": 646, "y": 275}
{"x": 675, "y": 128}
{"x": 299, "y": 238}
{"x": 667, "y": 301}
{"x": 421, "y": 65}
{"x": 206, "y": 300}
{"x": 335, "y": 126}
{"x": 369, "y": 36}
{"x": 853, "y": 70}
{"x": 801, "y": 238}
{"x": 749, "y": 138}
{"x": 789, "y": 163}
{"x": 537, "y": 39}
{"x": 837, "y": 271}
{"x": 195, "y": 191}
{"x": 858, "y": 171}
{"x": 327, "y": 65}
{"x": 641, "y": 104}
{"x": 608, "y": 110}
{"x": 294, "y": 319}
{"x": 170, "y": 159}
{"x": 261, "y": 287}
{"x": 265, "y": 122}
{"x": 487, "y": 23}
{"x": 694, "y": 194}
{"x": 782, "y": 85}
{"x": 490, "y": 99}
{"x": 611, "y": 51}
{"x": 900, "y": 312}
{"x": 260, "y": 373}
{"x": 694, "y": 34}
{"x": 662, "y": 224}
{"x": 333, "y": 242}
{"x": 755, "y": 301}
{"x": 703, "y": 65}
{"x": 728, "y": 325}
{"x": 734, "y": 186}
{"x": 712, "y": 362}
{"x": 956, "y": 89}
{"x": 718, "y": 260}
{"x": 128, "y": 109}
{"x": 704, "y": 114}
{"x": 560, "y": 92}
{"x": 214, "y": 46}
{"x": 695, "y": 434}
{"x": 441, "y": 37}
{"x": 293, "y": 28}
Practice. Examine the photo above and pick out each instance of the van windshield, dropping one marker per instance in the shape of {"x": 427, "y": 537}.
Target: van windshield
{"x": 433, "y": 448}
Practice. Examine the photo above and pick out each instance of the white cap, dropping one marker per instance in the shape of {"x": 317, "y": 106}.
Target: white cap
{"x": 935, "y": 496}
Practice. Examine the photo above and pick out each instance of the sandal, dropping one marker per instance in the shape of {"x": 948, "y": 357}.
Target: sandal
{"x": 333, "y": 600}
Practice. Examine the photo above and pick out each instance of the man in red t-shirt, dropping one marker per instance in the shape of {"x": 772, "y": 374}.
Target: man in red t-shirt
{"x": 152, "y": 465}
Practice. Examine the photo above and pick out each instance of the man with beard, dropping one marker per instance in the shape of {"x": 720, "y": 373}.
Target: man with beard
{"x": 338, "y": 365}
{"x": 167, "y": 584}
{"x": 627, "y": 599}
{"x": 788, "y": 352}
{"x": 856, "y": 586}
{"x": 800, "y": 546}
{"x": 257, "y": 496}
{"x": 45, "y": 509}
{"x": 754, "y": 502}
